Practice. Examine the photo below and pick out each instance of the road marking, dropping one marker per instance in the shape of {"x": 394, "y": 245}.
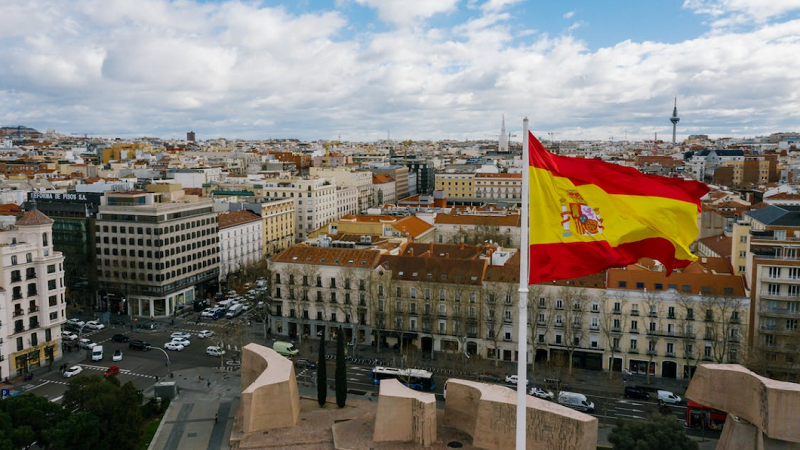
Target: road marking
{"x": 57, "y": 398}
{"x": 629, "y": 409}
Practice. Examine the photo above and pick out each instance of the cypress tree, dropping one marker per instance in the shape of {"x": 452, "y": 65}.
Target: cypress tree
{"x": 322, "y": 375}
{"x": 341, "y": 370}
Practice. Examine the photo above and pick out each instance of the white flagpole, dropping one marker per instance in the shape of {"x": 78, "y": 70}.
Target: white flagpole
{"x": 522, "y": 332}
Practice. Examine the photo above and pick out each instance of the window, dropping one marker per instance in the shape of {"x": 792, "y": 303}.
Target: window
{"x": 412, "y": 292}
{"x": 14, "y": 260}
{"x": 472, "y": 297}
{"x": 794, "y": 273}
{"x": 639, "y": 285}
{"x": 595, "y": 323}
{"x": 659, "y": 287}
{"x": 51, "y": 284}
{"x": 559, "y": 304}
{"x": 595, "y": 307}
{"x": 622, "y": 284}
{"x": 633, "y": 344}
{"x": 774, "y": 272}
{"x": 634, "y": 326}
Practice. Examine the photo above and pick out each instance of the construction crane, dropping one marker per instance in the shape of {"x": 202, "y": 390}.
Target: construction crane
{"x": 328, "y": 145}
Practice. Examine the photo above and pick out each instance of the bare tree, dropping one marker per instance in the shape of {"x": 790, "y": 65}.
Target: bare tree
{"x": 540, "y": 319}
{"x": 612, "y": 322}
{"x": 686, "y": 304}
{"x": 381, "y": 290}
{"x": 722, "y": 318}
{"x": 575, "y": 300}
{"x": 492, "y": 314}
{"x": 652, "y": 302}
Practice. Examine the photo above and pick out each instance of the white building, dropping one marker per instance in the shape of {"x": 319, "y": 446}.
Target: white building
{"x": 344, "y": 176}
{"x": 33, "y": 299}
{"x": 346, "y": 201}
{"x": 241, "y": 242}
{"x": 195, "y": 178}
{"x": 315, "y": 201}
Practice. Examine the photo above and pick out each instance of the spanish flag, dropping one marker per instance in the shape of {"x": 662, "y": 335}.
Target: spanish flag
{"x": 589, "y": 215}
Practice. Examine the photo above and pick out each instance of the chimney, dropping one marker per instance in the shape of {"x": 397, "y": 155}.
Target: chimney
{"x": 411, "y": 251}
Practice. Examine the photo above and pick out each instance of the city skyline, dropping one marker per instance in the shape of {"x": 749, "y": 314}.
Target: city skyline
{"x": 426, "y": 69}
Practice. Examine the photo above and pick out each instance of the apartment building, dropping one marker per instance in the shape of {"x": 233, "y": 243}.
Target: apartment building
{"x": 456, "y": 185}
{"x": 499, "y": 187}
{"x": 346, "y": 201}
{"x": 475, "y": 226}
{"x": 383, "y": 190}
{"x": 315, "y": 290}
{"x": 155, "y": 247}
{"x": 773, "y": 270}
{"x": 240, "y": 241}
{"x": 400, "y": 174}
{"x": 410, "y": 227}
{"x": 33, "y": 278}
{"x": 315, "y": 202}
{"x": 348, "y": 177}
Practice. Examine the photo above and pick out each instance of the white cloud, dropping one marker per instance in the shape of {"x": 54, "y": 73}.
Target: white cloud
{"x": 242, "y": 70}
{"x": 497, "y": 5}
{"x": 406, "y": 12}
{"x": 725, "y": 13}
{"x": 569, "y": 15}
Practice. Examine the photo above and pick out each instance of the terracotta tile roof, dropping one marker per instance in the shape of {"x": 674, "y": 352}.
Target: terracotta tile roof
{"x": 498, "y": 175}
{"x": 720, "y": 245}
{"x": 34, "y": 217}
{"x": 783, "y": 196}
{"x": 380, "y": 179}
{"x": 435, "y": 270}
{"x": 413, "y": 225}
{"x": 233, "y": 218}
{"x": 462, "y": 219}
{"x": 694, "y": 278}
{"x": 328, "y": 256}
{"x": 193, "y": 191}
{"x": 10, "y": 209}
{"x": 447, "y": 251}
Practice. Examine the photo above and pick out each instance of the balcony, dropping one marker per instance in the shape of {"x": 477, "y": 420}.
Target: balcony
{"x": 616, "y": 349}
{"x": 671, "y": 316}
{"x": 18, "y": 312}
{"x": 652, "y": 353}
{"x": 652, "y": 314}
{"x": 34, "y": 325}
{"x": 733, "y": 339}
{"x": 507, "y": 319}
{"x": 17, "y": 296}
{"x": 576, "y": 326}
{"x": 689, "y": 334}
{"x": 671, "y": 334}
{"x": 472, "y": 335}
{"x": 652, "y": 332}
{"x": 616, "y": 311}
{"x": 19, "y": 329}
{"x": 669, "y": 354}
{"x": 16, "y": 279}
{"x": 442, "y": 315}
{"x": 594, "y": 327}
{"x": 736, "y": 320}
{"x": 635, "y": 351}
{"x": 616, "y": 330}
{"x": 690, "y": 317}
{"x": 635, "y": 313}
{"x": 33, "y": 309}
{"x": 31, "y": 293}
{"x": 788, "y": 312}
{"x": 634, "y": 331}
{"x": 559, "y": 325}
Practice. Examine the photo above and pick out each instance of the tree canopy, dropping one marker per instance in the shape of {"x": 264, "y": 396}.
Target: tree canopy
{"x": 656, "y": 433}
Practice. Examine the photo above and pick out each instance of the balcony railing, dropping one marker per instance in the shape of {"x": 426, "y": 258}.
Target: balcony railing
{"x": 670, "y": 354}
{"x": 652, "y": 353}
{"x": 19, "y": 329}
{"x": 652, "y": 332}
{"x": 594, "y": 327}
{"x": 34, "y": 325}
{"x": 635, "y": 313}
{"x": 778, "y": 311}
{"x": 616, "y": 330}
{"x": 19, "y": 312}
{"x": 652, "y": 314}
{"x": 633, "y": 350}
{"x": 16, "y": 279}
{"x": 33, "y": 309}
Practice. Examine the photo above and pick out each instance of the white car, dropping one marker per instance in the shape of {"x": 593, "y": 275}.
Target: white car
{"x": 513, "y": 379}
{"x": 183, "y": 342}
{"x": 180, "y": 335}
{"x": 117, "y": 355}
{"x": 174, "y": 346}
{"x": 205, "y": 333}
{"x": 86, "y": 343}
{"x": 72, "y": 371}
{"x": 94, "y": 325}
{"x": 76, "y": 322}
{"x": 541, "y": 393}
{"x": 208, "y": 312}
{"x": 68, "y": 336}
{"x": 215, "y": 351}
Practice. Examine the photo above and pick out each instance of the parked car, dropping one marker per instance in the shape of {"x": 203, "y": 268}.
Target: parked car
{"x": 120, "y": 338}
{"x": 541, "y": 393}
{"x": 138, "y": 345}
{"x": 513, "y": 379}
{"x": 489, "y": 378}
{"x": 205, "y": 333}
{"x": 183, "y": 342}
{"x": 94, "y": 325}
{"x": 76, "y": 322}
{"x": 117, "y": 355}
{"x": 173, "y": 346}
{"x": 214, "y": 351}
{"x": 180, "y": 335}
{"x": 113, "y": 370}
{"x": 97, "y": 353}
{"x": 208, "y": 312}
{"x": 86, "y": 343}
{"x": 669, "y": 397}
{"x": 218, "y": 314}
{"x": 71, "y": 327}
{"x": 68, "y": 336}
{"x": 72, "y": 371}
{"x": 636, "y": 392}
{"x": 305, "y": 364}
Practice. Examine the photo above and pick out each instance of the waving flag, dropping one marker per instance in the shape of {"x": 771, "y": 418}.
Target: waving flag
{"x": 589, "y": 215}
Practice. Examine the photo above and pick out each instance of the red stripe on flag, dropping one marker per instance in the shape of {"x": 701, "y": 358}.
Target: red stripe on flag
{"x": 560, "y": 261}
{"x": 613, "y": 178}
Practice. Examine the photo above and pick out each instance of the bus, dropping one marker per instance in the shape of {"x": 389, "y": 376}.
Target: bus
{"x": 418, "y": 379}
{"x": 698, "y": 415}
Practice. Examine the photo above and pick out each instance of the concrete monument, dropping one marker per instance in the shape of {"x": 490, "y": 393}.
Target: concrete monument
{"x": 762, "y": 413}
{"x": 405, "y": 415}
{"x": 269, "y": 391}
{"x": 488, "y": 414}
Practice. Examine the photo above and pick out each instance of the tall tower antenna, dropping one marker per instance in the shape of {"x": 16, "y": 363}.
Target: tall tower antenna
{"x": 502, "y": 145}
{"x": 674, "y": 119}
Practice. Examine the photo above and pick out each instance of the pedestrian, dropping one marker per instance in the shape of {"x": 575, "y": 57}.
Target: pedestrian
{"x": 216, "y": 418}
{"x": 208, "y": 383}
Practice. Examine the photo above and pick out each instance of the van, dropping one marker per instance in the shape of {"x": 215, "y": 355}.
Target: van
{"x": 97, "y": 353}
{"x": 636, "y": 392}
{"x": 668, "y": 397}
{"x": 285, "y": 348}
{"x": 234, "y": 311}
{"x": 224, "y": 303}
{"x": 575, "y": 401}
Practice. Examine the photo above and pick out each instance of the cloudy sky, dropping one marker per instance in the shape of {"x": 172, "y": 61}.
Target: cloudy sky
{"x": 420, "y": 69}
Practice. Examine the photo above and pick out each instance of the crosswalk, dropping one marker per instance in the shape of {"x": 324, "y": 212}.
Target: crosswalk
{"x": 121, "y": 371}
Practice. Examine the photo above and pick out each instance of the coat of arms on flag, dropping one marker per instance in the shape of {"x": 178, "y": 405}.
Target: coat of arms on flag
{"x": 586, "y": 219}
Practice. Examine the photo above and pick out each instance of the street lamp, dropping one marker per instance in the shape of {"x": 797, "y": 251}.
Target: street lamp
{"x": 165, "y": 354}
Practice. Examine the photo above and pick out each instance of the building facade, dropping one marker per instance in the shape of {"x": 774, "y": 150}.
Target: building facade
{"x": 315, "y": 202}
{"x": 153, "y": 248}
{"x": 240, "y": 241}
{"x": 34, "y": 295}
